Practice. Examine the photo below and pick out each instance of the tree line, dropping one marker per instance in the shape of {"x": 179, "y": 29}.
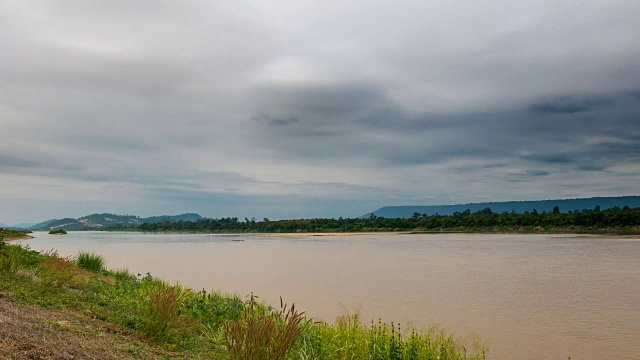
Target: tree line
{"x": 619, "y": 219}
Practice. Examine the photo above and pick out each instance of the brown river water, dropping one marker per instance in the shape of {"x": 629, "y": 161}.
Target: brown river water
{"x": 523, "y": 296}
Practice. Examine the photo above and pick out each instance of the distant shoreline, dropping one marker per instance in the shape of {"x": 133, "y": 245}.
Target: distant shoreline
{"x": 18, "y": 238}
{"x": 600, "y": 232}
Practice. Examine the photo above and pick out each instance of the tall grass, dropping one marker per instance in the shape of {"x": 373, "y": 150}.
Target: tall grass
{"x": 163, "y": 318}
{"x": 90, "y": 261}
{"x": 263, "y": 334}
{"x": 55, "y": 271}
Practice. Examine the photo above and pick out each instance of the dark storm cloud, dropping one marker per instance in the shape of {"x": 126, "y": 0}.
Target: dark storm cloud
{"x": 537, "y": 173}
{"x": 635, "y": 94}
{"x": 550, "y": 158}
{"x": 8, "y": 162}
{"x": 569, "y": 105}
{"x": 603, "y": 133}
{"x": 591, "y": 167}
{"x": 327, "y": 106}
{"x": 280, "y": 121}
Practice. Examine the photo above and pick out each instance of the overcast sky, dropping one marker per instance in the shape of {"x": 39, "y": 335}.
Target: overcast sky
{"x": 297, "y": 109}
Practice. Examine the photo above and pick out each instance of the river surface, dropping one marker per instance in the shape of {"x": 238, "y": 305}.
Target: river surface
{"x": 523, "y": 296}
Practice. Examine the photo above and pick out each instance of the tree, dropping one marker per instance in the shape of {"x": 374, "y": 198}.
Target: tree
{"x": 556, "y": 210}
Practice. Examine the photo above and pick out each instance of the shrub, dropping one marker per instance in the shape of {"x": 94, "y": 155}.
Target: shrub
{"x": 90, "y": 262}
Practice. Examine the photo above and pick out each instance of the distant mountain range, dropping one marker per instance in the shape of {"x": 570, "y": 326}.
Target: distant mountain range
{"x": 106, "y": 221}
{"x": 565, "y": 205}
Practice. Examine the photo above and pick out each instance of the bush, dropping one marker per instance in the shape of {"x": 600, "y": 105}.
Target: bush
{"x": 90, "y": 262}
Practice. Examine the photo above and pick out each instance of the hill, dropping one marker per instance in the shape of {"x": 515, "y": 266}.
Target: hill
{"x": 108, "y": 221}
{"x": 41, "y": 225}
{"x": 508, "y": 206}
{"x": 23, "y": 225}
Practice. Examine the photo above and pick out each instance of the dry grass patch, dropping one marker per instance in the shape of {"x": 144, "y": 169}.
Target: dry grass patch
{"x": 29, "y": 332}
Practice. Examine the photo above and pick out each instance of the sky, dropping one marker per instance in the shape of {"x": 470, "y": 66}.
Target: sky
{"x": 301, "y": 109}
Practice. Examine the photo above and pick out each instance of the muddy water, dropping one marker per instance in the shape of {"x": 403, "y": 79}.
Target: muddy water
{"x": 524, "y": 296}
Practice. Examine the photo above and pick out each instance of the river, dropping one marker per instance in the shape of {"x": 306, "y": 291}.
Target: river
{"x": 524, "y": 296}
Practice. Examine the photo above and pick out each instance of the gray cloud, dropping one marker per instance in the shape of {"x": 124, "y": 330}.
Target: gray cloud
{"x": 550, "y": 158}
{"x": 329, "y": 109}
{"x": 568, "y": 105}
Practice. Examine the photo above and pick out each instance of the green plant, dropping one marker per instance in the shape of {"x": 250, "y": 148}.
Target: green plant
{"x": 90, "y": 261}
{"x": 262, "y": 334}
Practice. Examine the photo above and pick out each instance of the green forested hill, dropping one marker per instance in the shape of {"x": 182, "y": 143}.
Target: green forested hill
{"x": 621, "y": 220}
{"x": 108, "y": 221}
{"x": 520, "y": 207}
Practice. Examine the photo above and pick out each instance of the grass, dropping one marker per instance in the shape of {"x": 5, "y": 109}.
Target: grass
{"x": 90, "y": 261}
{"x": 176, "y": 322}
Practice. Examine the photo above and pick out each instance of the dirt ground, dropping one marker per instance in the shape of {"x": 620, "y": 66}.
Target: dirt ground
{"x": 28, "y": 332}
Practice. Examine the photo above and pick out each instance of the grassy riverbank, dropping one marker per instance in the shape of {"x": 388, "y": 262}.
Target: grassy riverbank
{"x": 9, "y": 234}
{"x": 57, "y": 307}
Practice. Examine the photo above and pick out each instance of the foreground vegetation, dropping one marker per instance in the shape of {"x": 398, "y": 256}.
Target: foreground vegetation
{"x": 152, "y": 319}
{"x": 615, "y": 220}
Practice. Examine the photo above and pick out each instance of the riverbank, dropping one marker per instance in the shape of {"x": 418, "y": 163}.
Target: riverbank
{"x": 11, "y": 235}
{"x": 60, "y": 307}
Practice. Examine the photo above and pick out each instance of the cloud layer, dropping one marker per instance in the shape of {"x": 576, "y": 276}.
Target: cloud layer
{"x": 304, "y": 109}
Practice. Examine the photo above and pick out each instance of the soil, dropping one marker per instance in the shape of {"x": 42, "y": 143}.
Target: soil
{"x": 28, "y": 332}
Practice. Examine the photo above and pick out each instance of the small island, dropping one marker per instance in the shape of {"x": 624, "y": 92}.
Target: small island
{"x": 58, "y": 232}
